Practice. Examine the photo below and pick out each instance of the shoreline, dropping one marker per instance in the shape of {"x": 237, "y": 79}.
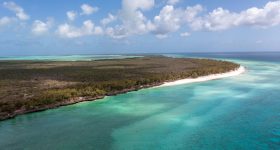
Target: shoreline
{"x": 232, "y": 73}
{"x": 72, "y": 101}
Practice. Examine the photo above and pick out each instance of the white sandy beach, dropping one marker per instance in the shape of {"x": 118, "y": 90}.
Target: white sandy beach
{"x": 236, "y": 72}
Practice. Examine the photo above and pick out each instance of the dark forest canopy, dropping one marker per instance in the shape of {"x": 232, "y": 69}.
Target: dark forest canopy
{"x": 27, "y": 86}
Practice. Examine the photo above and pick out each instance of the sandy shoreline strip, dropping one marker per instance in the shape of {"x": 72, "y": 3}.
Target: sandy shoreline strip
{"x": 236, "y": 72}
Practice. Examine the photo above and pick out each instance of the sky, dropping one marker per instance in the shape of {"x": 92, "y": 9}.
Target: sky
{"x": 65, "y": 27}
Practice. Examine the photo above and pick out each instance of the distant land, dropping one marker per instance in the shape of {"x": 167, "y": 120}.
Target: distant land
{"x": 29, "y": 86}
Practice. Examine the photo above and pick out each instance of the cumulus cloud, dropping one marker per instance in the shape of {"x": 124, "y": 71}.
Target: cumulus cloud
{"x": 5, "y": 21}
{"x": 71, "y": 15}
{"x": 168, "y": 20}
{"x": 222, "y": 19}
{"x": 129, "y": 5}
{"x": 118, "y": 32}
{"x": 88, "y": 10}
{"x": 171, "y": 19}
{"x": 39, "y": 27}
{"x": 109, "y": 19}
{"x": 19, "y": 11}
{"x": 88, "y": 28}
{"x": 132, "y": 18}
{"x": 218, "y": 19}
{"x": 263, "y": 17}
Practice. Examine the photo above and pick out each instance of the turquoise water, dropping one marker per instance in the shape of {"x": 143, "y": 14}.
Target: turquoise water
{"x": 68, "y": 58}
{"x": 237, "y": 113}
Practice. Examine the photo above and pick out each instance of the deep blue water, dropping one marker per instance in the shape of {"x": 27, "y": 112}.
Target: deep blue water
{"x": 236, "y": 113}
{"x": 257, "y": 56}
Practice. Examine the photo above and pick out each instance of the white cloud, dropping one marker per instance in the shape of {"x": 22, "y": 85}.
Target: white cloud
{"x": 109, "y": 19}
{"x": 117, "y": 32}
{"x": 171, "y": 19}
{"x": 5, "y": 21}
{"x": 185, "y": 34}
{"x": 191, "y": 13}
{"x": 88, "y": 10}
{"x": 139, "y": 4}
{"x": 39, "y": 27}
{"x": 167, "y": 21}
{"x": 132, "y": 18}
{"x": 218, "y": 19}
{"x": 263, "y": 17}
{"x": 20, "y": 13}
{"x": 173, "y": 2}
{"x": 71, "y": 15}
{"x": 88, "y": 28}
{"x": 222, "y": 19}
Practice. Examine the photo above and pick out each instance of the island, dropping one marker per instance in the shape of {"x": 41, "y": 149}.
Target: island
{"x": 31, "y": 86}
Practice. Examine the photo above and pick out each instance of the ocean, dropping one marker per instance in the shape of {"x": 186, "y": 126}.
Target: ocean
{"x": 241, "y": 112}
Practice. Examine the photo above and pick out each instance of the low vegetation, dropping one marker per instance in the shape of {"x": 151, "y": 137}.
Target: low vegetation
{"x": 32, "y": 85}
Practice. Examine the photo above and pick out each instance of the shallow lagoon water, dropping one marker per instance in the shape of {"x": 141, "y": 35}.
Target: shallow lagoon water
{"x": 241, "y": 112}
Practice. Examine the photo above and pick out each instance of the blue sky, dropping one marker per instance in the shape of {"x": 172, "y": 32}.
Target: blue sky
{"x": 137, "y": 26}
